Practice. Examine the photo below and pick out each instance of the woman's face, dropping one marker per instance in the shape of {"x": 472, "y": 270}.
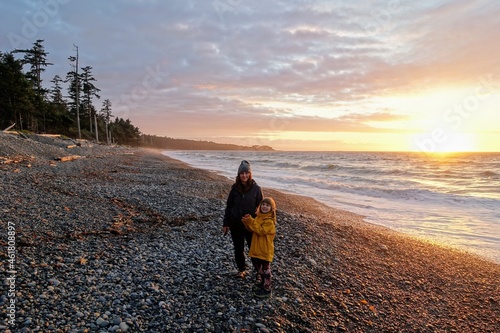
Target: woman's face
{"x": 244, "y": 176}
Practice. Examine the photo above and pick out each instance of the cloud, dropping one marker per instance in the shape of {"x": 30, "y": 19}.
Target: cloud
{"x": 233, "y": 67}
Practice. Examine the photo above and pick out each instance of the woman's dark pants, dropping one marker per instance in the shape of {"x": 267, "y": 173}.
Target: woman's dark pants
{"x": 240, "y": 234}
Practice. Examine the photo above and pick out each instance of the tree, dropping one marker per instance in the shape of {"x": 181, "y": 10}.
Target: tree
{"x": 36, "y": 57}
{"x": 89, "y": 91}
{"x": 16, "y": 95}
{"x": 58, "y": 117}
{"x": 56, "y": 95}
{"x": 106, "y": 112}
{"x": 125, "y": 133}
{"x": 75, "y": 88}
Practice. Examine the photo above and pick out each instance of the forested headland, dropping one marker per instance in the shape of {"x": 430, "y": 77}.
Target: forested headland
{"x": 69, "y": 105}
{"x": 184, "y": 144}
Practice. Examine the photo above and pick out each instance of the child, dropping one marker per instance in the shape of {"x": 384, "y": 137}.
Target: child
{"x": 263, "y": 227}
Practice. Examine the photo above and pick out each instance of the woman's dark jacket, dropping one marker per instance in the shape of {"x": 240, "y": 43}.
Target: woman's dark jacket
{"x": 240, "y": 204}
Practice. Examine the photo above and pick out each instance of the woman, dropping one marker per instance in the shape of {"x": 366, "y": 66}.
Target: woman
{"x": 244, "y": 198}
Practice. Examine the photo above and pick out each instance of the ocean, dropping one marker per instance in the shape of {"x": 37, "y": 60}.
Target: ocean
{"x": 450, "y": 199}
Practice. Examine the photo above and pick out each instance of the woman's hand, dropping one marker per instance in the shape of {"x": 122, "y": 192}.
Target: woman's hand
{"x": 225, "y": 230}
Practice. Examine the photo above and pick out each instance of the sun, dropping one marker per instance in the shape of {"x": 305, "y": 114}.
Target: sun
{"x": 445, "y": 142}
{"x": 456, "y": 143}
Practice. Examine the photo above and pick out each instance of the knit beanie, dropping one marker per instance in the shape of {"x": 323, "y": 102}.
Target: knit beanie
{"x": 244, "y": 167}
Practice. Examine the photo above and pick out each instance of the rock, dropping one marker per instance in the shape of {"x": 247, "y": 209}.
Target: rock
{"x": 124, "y": 327}
{"x": 383, "y": 248}
{"x": 54, "y": 282}
{"x": 101, "y": 322}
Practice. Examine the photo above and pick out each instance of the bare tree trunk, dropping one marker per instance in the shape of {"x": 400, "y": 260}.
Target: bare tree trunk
{"x": 90, "y": 119}
{"x": 77, "y": 95}
{"x": 96, "y": 130}
{"x": 108, "y": 141}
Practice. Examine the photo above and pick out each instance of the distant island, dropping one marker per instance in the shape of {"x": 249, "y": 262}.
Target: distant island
{"x": 153, "y": 141}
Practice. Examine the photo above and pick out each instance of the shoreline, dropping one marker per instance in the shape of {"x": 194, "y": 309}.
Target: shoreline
{"x": 129, "y": 240}
{"x": 430, "y": 221}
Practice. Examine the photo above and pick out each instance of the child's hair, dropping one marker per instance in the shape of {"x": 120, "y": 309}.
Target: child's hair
{"x": 271, "y": 202}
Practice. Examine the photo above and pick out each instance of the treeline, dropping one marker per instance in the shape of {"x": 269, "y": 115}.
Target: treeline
{"x": 184, "y": 144}
{"x": 27, "y": 104}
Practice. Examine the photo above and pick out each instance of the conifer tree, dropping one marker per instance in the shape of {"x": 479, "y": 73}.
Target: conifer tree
{"x": 56, "y": 95}
{"x": 89, "y": 91}
{"x": 36, "y": 57}
{"x": 60, "y": 120}
{"x": 106, "y": 113}
{"x": 74, "y": 88}
{"x": 16, "y": 95}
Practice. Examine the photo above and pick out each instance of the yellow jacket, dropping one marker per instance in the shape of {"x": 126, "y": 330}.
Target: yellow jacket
{"x": 263, "y": 228}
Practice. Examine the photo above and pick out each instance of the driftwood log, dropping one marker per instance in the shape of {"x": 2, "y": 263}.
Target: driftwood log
{"x": 8, "y": 128}
{"x": 67, "y": 158}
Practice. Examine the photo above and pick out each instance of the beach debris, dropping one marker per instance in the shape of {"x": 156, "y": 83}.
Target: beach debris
{"x": 16, "y": 159}
{"x": 81, "y": 261}
{"x": 5, "y": 160}
{"x": 68, "y": 158}
{"x": 10, "y": 127}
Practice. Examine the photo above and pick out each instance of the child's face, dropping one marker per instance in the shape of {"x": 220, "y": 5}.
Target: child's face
{"x": 265, "y": 207}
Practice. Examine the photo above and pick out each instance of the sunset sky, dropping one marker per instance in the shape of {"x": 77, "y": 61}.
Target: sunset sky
{"x": 296, "y": 75}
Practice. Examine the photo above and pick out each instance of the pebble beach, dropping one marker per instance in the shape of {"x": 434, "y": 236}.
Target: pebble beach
{"x": 117, "y": 239}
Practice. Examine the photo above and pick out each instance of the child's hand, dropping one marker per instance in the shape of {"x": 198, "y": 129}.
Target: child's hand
{"x": 245, "y": 217}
